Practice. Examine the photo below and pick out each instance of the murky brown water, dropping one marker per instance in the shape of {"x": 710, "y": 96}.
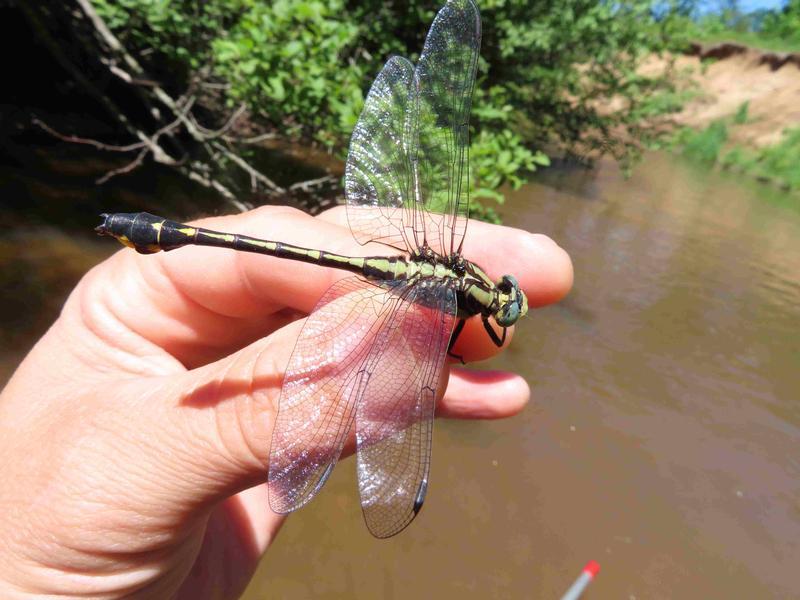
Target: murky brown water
{"x": 664, "y": 437}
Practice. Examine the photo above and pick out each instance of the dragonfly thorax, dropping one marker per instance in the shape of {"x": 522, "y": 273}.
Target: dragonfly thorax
{"x": 503, "y": 300}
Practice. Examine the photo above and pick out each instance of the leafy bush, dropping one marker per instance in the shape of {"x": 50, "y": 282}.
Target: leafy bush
{"x": 286, "y": 61}
{"x": 777, "y": 30}
{"x": 785, "y": 24}
{"x": 777, "y": 164}
{"x": 303, "y": 66}
{"x": 171, "y": 34}
{"x": 705, "y": 145}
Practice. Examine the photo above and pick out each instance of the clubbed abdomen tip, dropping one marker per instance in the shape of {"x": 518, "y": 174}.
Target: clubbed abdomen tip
{"x": 102, "y": 229}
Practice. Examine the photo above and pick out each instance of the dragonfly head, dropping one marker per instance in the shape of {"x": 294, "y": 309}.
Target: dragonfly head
{"x": 512, "y": 300}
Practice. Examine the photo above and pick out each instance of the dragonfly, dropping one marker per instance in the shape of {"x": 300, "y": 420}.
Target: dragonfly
{"x": 371, "y": 354}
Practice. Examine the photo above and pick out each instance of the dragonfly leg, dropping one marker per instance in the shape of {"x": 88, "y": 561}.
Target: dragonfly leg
{"x": 456, "y": 332}
{"x": 498, "y": 341}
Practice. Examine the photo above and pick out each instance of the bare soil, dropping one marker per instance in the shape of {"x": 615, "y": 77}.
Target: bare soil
{"x": 726, "y": 75}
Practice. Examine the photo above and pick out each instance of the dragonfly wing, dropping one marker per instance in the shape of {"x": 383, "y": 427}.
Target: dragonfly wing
{"x": 379, "y": 182}
{"x": 317, "y": 402}
{"x": 445, "y": 76}
{"x": 394, "y": 416}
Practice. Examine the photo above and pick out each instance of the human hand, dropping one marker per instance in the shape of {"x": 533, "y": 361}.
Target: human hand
{"x": 135, "y": 435}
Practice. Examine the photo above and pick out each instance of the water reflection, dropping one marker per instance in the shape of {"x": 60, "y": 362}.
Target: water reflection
{"x": 39, "y": 265}
{"x": 682, "y": 357}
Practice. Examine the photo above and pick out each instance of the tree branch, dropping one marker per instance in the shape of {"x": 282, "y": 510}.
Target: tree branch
{"x": 161, "y": 106}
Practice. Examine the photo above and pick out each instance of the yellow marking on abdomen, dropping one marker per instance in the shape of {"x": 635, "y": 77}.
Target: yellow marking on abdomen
{"x": 157, "y": 227}
{"x": 225, "y": 237}
{"x": 260, "y": 243}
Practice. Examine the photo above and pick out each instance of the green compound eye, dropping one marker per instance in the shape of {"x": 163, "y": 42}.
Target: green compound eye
{"x": 508, "y": 315}
{"x": 509, "y": 285}
{"x": 512, "y": 300}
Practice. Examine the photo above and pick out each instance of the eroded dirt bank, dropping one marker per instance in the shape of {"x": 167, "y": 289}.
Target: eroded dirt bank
{"x": 726, "y": 75}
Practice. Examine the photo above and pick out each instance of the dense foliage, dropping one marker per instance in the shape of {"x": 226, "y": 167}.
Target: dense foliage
{"x": 785, "y": 24}
{"x": 769, "y": 29}
{"x": 548, "y": 71}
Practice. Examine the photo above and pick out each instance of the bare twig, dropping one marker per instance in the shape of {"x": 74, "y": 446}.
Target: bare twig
{"x": 212, "y": 143}
{"x": 211, "y": 134}
{"x": 211, "y": 85}
{"x": 189, "y": 124}
{"x": 254, "y": 173}
{"x": 312, "y": 184}
{"x": 125, "y": 76}
{"x": 136, "y": 162}
{"x": 218, "y": 187}
{"x": 177, "y": 122}
{"x": 253, "y": 140}
{"x": 73, "y": 139}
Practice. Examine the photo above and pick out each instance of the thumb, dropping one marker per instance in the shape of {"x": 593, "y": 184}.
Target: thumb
{"x": 116, "y": 473}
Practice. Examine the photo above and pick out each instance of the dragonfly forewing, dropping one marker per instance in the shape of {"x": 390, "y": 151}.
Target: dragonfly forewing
{"x": 379, "y": 176}
{"x": 407, "y": 176}
{"x": 445, "y": 76}
{"x": 394, "y": 414}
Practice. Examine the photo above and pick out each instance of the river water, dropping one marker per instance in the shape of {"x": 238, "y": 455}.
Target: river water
{"x": 664, "y": 436}
{"x": 664, "y": 440}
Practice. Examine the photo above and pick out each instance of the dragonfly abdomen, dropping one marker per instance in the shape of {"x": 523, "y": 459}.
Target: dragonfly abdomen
{"x": 148, "y": 233}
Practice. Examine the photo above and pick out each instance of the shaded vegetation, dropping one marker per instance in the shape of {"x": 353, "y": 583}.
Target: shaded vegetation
{"x": 703, "y": 146}
{"x": 775, "y": 30}
{"x": 299, "y": 70}
{"x": 302, "y": 68}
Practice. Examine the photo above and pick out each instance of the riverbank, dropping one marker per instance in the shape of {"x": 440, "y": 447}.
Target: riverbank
{"x": 726, "y": 75}
{"x": 740, "y": 109}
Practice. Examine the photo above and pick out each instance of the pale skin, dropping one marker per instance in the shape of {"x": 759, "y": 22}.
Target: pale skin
{"x": 134, "y": 438}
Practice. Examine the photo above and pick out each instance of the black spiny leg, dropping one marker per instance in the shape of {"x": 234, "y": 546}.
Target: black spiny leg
{"x": 456, "y": 332}
{"x": 498, "y": 341}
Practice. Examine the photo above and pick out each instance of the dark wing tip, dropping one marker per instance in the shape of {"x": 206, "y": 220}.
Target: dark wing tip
{"x": 420, "y": 497}
{"x": 383, "y": 530}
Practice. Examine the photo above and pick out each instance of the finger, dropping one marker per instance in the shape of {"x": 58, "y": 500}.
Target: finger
{"x": 483, "y": 395}
{"x": 199, "y": 304}
{"x": 542, "y": 267}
